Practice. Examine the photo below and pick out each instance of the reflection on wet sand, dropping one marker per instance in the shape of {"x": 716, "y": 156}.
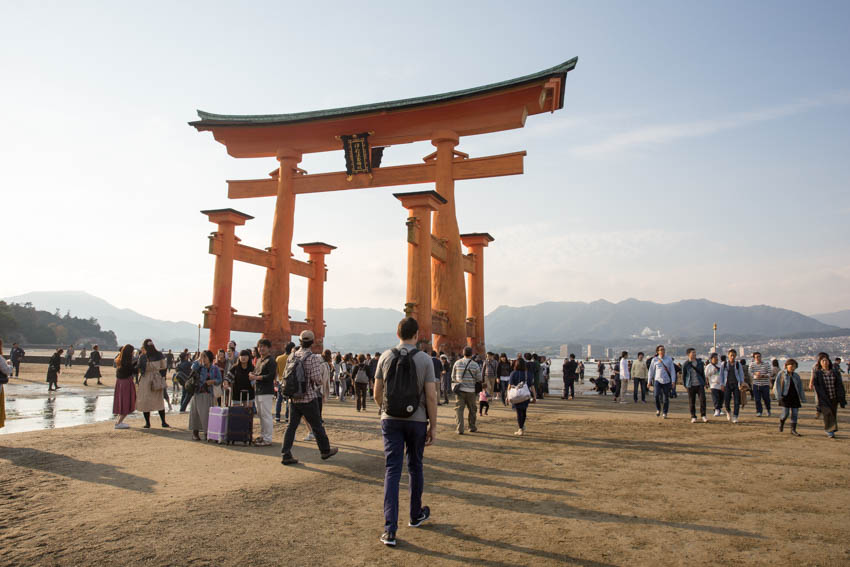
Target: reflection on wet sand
{"x": 55, "y": 411}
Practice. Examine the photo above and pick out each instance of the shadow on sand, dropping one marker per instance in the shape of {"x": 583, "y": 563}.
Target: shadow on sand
{"x": 69, "y": 467}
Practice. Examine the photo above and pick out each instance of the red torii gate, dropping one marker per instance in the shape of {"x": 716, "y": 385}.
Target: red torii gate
{"x": 436, "y": 263}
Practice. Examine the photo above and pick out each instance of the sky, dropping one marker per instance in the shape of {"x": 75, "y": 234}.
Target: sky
{"x": 703, "y": 150}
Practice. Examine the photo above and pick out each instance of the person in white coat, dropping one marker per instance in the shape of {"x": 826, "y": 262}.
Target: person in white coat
{"x": 625, "y": 375}
{"x": 712, "y": 376}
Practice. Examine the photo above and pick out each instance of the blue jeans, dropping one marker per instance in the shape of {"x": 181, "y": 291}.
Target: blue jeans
{"x": 762, "y": 393}
{"x": 793, "y": 411}
{"x": 662, "y": 396}
{"x": 185, "y": 399}
{"x": 279, "y": 403}
{"x": 503, "y": 390}
{"x": 639, "y": 383}
{"x": 398, "y": 435}
{"x": 732, "y": 392}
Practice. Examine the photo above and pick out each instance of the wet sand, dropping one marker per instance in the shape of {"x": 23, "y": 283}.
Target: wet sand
{"x": 593, "y": 483}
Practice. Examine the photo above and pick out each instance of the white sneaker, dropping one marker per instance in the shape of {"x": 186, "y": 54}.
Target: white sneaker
{"x": 518, "y": 432}
{"x": 717, "y": 413}
{"x": 658, "y": 413}
{"x": 310, "y": 437}
{"x": 693, "y": 420}
{"x": 664, "y": 416}
{"x": 734, "y": 420}
{"x": 758, "y": 414}
{"x": 704, "y": 419}
{"x": 728, "y": 416}
{"x": 122, "y": 426}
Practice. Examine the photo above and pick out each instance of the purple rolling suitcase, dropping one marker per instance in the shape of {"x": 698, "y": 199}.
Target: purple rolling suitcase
{"x": 230, "y": 424}
{"x": 217, "y": 426}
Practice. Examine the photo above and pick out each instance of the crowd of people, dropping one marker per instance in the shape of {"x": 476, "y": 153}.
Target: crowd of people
{"x": 408, "y": 382}
{"x": 729, "y": 379}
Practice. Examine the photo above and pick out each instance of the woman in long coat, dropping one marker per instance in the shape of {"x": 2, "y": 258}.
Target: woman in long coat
{"x": 54, "y": 367}
{"x": 826, "y": 382}
{"x": 93, "y": 371}
{"x": 124, "y": 402}
{"x": 149, "y": 398}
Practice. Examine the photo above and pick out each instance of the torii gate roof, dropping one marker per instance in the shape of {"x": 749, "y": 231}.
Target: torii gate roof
{"x": 478, "y": 110}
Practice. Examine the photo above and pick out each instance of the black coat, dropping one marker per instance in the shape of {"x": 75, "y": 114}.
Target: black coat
{"x": 53, "y": 367}
{"x": 820, "y": 387}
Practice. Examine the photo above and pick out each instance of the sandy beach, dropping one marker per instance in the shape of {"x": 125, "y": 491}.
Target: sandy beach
{"x": 593, "y": 483}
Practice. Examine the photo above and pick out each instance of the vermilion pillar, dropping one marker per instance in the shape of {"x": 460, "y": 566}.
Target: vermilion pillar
{"x": 316, "y": 290}
{"x": 475, "y": 243}
{"x": 224, "y": 240}
{"x": 419, "y": 205}
{"x": 276, "y": 292}
{"x": 447, "y": 291}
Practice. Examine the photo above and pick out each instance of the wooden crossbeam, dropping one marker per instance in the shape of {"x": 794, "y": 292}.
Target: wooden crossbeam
{"x": 300, "y": 268}
{"x": 264, "y": 258}
{"x": 468, "y": 264}
{"x": 473, "y": 168}
{"x": 246, "y": 323}
{"x": 254, "y": 256}
{"x": 438, "y": 249}
{"x": 251, "y": 324}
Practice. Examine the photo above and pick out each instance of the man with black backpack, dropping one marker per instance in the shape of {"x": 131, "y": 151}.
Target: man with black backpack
{"x": 301, "y": 380}
{"x": 406, "y": 389}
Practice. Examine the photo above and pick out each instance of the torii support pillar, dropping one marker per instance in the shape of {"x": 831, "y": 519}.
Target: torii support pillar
{"x": 276, "y": 290}
{"x": 316, "y": 290}
{"x": 448, "y": 286}
{"x": 220, "y": 313}
{"x": 475, "y": 243}
{"x": 419, "y": 205}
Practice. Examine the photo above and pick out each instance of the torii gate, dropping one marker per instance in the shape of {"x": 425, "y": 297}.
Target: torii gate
{"x": 436, "y": 263}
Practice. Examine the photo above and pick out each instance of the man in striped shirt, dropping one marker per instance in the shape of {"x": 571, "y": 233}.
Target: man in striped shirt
{"x": 760, "y": 372}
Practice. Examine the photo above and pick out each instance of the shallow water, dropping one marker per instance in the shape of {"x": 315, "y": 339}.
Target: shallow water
{"x": 51, "y": 412}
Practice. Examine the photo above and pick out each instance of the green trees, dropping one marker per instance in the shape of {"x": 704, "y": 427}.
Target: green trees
{"x": 26, "y": 325}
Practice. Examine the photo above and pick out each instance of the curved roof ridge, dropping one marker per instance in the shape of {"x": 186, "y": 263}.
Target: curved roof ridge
{"x": 210, "y": 119}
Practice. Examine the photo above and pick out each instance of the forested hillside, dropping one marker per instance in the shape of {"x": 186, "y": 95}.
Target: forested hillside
{"x": 27, "y": 325}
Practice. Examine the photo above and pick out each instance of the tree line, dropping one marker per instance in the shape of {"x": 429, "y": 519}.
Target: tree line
{"x": 27, "y": 325}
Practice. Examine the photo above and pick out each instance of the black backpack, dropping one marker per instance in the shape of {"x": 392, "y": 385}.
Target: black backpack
{"x": 294, "y": 378}
{"x": 401, "y": 386}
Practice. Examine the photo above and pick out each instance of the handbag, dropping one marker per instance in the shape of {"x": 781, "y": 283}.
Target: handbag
{"x": 519, "y": 394}
{"x": 157, "y": 383}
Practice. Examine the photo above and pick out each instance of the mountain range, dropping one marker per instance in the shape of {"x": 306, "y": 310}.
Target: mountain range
{"x": 604, "y": 321}
{"x": 371, "y": 329}
{"x": 839, "y": 318}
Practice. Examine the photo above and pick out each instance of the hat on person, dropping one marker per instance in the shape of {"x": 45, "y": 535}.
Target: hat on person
{"x": 307, "y": 336}
{"x": 444, "y": 356}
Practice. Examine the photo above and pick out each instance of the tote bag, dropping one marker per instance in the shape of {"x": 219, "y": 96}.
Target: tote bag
{"x": 519, "y": 394}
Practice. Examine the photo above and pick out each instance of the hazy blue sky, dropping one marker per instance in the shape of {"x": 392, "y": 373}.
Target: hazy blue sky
{"x": 702, "y": 150}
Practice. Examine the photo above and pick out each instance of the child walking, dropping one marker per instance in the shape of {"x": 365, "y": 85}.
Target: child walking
{"x": 483, "y": 402}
